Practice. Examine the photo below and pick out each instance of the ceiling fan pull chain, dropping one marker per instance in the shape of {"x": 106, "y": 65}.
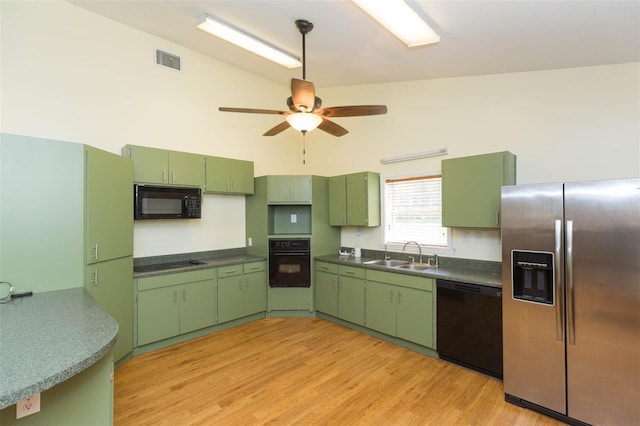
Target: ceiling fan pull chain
{"x": 304, "y": 147}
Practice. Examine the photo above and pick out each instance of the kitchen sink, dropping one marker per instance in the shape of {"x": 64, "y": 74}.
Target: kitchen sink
{"x": 415, "y": 266}
{"x": 390, "y": 263}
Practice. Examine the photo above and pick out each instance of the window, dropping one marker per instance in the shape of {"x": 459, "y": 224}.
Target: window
{"x": 413, "y": 211}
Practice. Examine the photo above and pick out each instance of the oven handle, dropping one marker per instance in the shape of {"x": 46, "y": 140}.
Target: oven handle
{"x": 297, "y": 253}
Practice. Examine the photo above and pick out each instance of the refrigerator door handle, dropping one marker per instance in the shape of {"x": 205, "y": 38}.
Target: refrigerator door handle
{"x": 571, "y": 331}
{"x": 559, "y": 282}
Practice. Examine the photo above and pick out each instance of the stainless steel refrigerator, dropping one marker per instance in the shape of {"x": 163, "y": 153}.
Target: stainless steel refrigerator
{"x": 571, "y": 299}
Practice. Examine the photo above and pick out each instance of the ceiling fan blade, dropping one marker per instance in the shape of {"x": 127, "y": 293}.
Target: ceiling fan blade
{"x": 352, "y": 111}
{"x": 277, "y": 129}
{"x": 303, "y": 94}
{"x": 253, "y": 110}
{"x": 332, "y": 128}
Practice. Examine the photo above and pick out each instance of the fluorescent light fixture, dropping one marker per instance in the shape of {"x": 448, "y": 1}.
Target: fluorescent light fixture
{"x": 408, "y": 157}
{"x": 239, "y": 37}
{"x": 401, "y": 20}
{"x": 304, "y": 121}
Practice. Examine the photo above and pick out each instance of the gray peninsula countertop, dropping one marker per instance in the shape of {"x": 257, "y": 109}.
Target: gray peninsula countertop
{"x": 48, "y": 338}
{"x": 461, "y": 271}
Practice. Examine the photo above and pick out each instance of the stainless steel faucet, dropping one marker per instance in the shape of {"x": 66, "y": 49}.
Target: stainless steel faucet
{"x": 417, "y": 245}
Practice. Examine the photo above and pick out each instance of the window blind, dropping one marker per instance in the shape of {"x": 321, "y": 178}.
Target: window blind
{"x": 413, "y": 211}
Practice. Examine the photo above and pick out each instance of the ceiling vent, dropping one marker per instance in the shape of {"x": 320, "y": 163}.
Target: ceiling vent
{"x": 167, "y": 59}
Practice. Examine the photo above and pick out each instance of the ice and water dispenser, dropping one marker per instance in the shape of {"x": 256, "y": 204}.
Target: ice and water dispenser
{"x": 532, "y": 273}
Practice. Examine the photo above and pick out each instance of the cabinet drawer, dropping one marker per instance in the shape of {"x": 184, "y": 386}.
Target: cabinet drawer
{"x": 404, "y": 280}
{"x": 351, "y": 271}
{"x": 254, "y": 267}
{"x": 229, "y": 271}
{"x": 159, "y": 281}
{"x": 332, "y": 268}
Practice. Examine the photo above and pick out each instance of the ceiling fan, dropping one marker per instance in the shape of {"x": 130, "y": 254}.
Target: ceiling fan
{"x": 305, "y": 108}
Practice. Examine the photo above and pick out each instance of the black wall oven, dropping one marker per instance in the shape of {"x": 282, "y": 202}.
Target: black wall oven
{"x": 289, "y": 262}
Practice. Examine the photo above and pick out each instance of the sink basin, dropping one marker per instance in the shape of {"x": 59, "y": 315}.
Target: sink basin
{"x": 390, "y": 263}
{"x": 415, "y": 266}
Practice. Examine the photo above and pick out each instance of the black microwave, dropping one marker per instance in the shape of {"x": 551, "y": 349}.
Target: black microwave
{"x": 166, "y": 202}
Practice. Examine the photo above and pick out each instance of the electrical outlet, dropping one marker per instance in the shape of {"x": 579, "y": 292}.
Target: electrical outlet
{"x": 28, "y": 406}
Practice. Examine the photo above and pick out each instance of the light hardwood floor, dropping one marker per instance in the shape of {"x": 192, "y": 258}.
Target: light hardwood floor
{"x": 305, "y": 371}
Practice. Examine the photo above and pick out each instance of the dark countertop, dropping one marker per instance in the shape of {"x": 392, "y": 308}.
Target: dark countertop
{"x": 67, "y": 333}
{"x": 491, "y": 278}
{"x": 206, "y": 263}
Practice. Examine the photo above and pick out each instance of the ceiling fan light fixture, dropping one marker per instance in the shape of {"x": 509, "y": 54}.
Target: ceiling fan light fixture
{"x": 399, "y": 18}
{"x": 304, "y": 121}
{"x": 231, "y": 33}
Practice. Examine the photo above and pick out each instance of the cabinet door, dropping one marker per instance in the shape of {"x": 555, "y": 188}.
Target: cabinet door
{"x": 108, "y": 205}
{"x": 229, "y": 298}
{"x": 186, "y": 169}
{"x": 150, "y": 165}
{"x": 471, "y": 189}
{"x": 327, "y": 293}
{"x": 255, "y": 293}
{"x": 241, "y": 174}
{"x": 356, "y": 199}
{"x": 158, "y": 314}
{"x": 337, "y": 201}
{"x": 351, "y": 299}
{"x": 278, "y": 189}
{"x": 300, "y": 189}
{"x": 381, "y": 307}
{"x": 217, "y": 174}
{"x": 197, "y": 305}
{"x": 111, "y": 285}
{"x": 415, "y": 316}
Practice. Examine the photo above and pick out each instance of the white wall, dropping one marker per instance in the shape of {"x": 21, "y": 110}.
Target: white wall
{"x": 72, "y": 75}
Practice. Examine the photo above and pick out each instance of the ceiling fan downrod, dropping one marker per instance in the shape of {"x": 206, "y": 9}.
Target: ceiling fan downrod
{"x": 304, "y": 27}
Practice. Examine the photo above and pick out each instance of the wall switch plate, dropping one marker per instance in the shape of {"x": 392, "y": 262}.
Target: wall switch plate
{"x": 294, "y": 218}
{"x": 28, "y": 406}
{"x": 250, "y": 242}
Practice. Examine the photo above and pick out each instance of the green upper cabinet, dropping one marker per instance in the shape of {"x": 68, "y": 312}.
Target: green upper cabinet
{"x": 354, "y": 199}
{"x": 159, "y": 166}
{"x": 289, "y": 189}
{"x": 228, "y": 176}
{"x": 109, "y": 205}
{"x": 471, "y": 189}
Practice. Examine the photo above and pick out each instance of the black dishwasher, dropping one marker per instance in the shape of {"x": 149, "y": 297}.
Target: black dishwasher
{"x": 469, "y": 325}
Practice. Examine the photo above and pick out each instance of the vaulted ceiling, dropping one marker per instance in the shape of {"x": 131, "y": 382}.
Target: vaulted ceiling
{"x": 347, "y": 47}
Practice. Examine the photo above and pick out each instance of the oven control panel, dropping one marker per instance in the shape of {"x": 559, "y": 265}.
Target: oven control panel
{"x": 289, "y": 245}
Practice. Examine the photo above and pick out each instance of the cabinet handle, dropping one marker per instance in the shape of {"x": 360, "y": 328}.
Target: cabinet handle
{"x": 184, "y": 294}
{"x": 175, "y": 296}
{"x": 324, "y": 268}
{"x": 94, "y": 280}
{"x": 254, "y": 268}
{"x": 228, "y": 184}
{"x": 497, "y": 217}
{"x": 95, "y": 252}
{"x": 348, "y": 219}
{"x": 173, "y": 176}
{"x": 391, "y": 296}
{"x": 231, "y": 272}
{"x": 164, "y": 175}
{"x": 399, "y": 298}
{"x": 234, "y": 186}
{"x": 349, "y": 272}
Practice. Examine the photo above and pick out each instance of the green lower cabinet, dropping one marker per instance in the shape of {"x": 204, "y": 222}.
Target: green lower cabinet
{"x": 110, "y": 283}
{"x": 415, "y": 316}
{"x": 401, "y": 306}
{"x": 255, "y": 288}
{"x": 242, "y": 290}
{"x": 173, "y": 304}
{"x": 197, "y": 306}
{"x": 351, "y": 294}
{"x": 381, "y": 307}
{"x": 158, "y": 315}
{"x": 230, "y": 297}
{"x": 326, "y": 290}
